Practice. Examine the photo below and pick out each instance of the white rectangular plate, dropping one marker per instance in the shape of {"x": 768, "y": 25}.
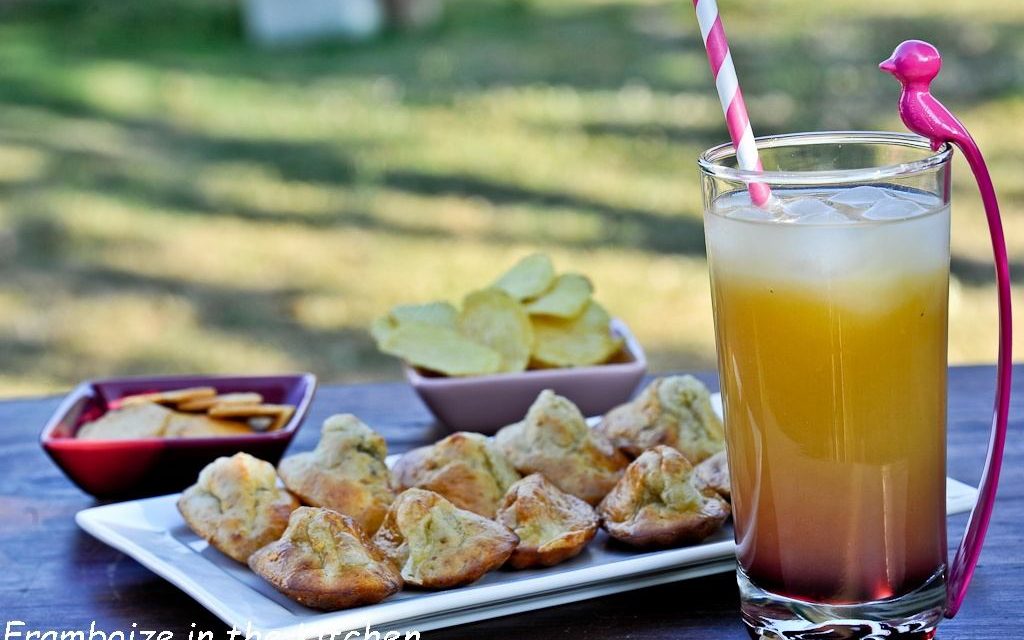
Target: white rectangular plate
{"x": 152, "y": 532}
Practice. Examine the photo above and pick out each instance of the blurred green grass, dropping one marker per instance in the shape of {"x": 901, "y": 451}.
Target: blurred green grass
{"x": 173, "y": 200}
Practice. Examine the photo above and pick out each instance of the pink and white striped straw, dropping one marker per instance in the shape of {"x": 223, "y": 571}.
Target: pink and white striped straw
{"x": 728, "y": 85}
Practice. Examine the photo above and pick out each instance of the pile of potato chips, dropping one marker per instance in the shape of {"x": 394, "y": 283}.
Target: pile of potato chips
{"x": 530, "y": 317}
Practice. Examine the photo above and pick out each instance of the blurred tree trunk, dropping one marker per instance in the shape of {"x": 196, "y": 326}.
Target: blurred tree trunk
{"x": 413, "y": 14}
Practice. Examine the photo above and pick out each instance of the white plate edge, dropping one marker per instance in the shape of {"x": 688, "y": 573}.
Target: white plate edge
{"x": 960, "y": 497}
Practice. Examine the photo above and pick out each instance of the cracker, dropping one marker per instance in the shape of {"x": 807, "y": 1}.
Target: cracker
{"x": 281, "y": 413}
{"x": 185, "y": 425}
{"x": 204, "y": 404}
{"x": 172, "y": 397}
{"x": 139, "y": 421}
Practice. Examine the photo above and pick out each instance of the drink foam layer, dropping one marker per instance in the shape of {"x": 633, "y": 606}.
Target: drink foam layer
{"x": 822, "y": 234}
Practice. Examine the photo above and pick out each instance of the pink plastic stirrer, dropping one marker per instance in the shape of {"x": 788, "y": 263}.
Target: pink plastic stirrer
{"x": 915, "y": 64}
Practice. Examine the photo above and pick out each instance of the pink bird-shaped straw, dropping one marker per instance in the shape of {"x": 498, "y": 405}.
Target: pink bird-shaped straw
{"x": 915, "y": 64}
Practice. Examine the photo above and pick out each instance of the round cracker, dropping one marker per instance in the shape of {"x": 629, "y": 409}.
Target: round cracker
{"x": 184, "y": 425}
{"x": 172, "y": 397}
{"x": 202, "y": 404}
{"x": 281, "y": 413}
{"x": 143, "y": 420}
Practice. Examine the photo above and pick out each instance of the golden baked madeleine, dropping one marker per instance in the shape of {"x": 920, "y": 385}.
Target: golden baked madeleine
{"x": 661, "y": 503}
{"x": 466, "y": 468}
{"x": 436, "y": 545}
{"x": 714, "y": 473}
{"x": 675, "y": 411}
{"x": 237, "y": 506}
{"x": 346, "y": 472}
{"x": 324, "y": 560}
{"x": 554, "y": 440}
{"x": 552, "y": 525}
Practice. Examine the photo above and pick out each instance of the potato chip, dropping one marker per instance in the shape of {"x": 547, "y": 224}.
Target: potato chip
{"x": 440, "y": 349}
{"x": 381, "y": 330}
{"x": 492, "y": 318}
{"x": 580, "y": 341}
{"x": 440, "y": 313}
{"x": 566, "y": 299}
{"x": 530, "y": 277}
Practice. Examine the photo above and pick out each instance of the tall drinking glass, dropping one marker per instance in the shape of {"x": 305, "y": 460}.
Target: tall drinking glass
{"x": 831, "y": 320}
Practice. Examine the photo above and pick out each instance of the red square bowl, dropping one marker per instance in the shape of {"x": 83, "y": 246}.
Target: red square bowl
{"x": 487, "y": 403}
{"x": 154, "y": 466}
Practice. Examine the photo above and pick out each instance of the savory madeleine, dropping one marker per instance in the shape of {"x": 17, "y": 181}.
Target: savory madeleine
{"x": 324, "y": 560}
{"x": 466, "y": 468}
{"x": 714, "y": 473}
{"x": 554, "y": 440}
{"x": 661, "y": 503}
{"x": 552, "y": 525}
{"x": 237, "y": 506}
{"x": 675, "y": 411}
{"x": 346, "y": 472}
{"x": 436, "y": 545}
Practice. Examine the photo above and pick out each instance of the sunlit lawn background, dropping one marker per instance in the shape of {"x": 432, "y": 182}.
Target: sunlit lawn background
{"x": 174, "y": 200}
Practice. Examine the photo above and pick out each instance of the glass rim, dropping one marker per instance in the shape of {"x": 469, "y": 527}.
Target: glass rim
{"x": 709, "y": 161}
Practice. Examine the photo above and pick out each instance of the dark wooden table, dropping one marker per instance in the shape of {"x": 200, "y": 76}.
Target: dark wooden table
{"x": 54, "y": 576}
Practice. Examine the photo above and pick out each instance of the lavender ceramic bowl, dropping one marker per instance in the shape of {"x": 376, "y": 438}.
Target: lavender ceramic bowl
{"x": 487, "y": 403}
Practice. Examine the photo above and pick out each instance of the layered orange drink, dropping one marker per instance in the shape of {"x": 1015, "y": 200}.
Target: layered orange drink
{"x": 831, "y": 320}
